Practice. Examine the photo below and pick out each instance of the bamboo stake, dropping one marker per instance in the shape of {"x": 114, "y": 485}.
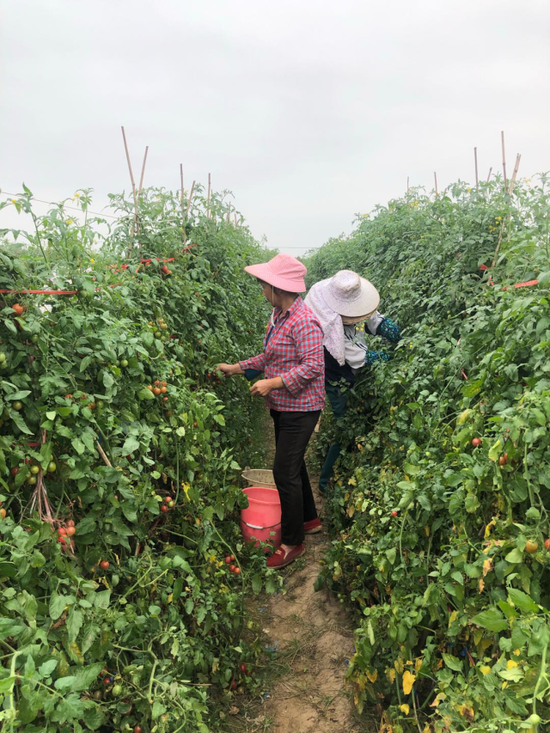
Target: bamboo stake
{"x": 475, "y": 161}
{"x": 143, "y": 171}
{"x": 181, "y": 181}
{"x": 503, "y": 157}
{"x": 435, "y": 179}
{"x": 236, "y": 223}
{"x": 514, "y": 174}
{"x": 507, "y": 219}
{"x": 103, "y": 455}
{"x": 208, "y": 198}
{"x": 489, "y": 176}
{"x": 129, "y": 166}
{"x": 407, "y": 184}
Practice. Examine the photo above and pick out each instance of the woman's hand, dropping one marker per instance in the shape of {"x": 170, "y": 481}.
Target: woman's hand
{"x": 230, "y": 369}
{"x": 264, "y": 386}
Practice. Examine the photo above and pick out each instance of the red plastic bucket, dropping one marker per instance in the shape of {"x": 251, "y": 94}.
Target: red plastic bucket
{"x": 261, "y": 520}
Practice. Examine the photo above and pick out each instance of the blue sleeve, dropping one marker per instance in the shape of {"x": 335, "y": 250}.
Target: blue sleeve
{"x": 389, "y": 330}
{"x": 371, "y": 357}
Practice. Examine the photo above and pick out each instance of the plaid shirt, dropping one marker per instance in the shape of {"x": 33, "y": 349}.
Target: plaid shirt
{"x": 293, "y": 350}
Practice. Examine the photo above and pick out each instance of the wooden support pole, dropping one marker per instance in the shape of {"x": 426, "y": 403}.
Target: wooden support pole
{"x": 435, "y": 179}
{"x": 514, "y": 174}
{"x": 132, "y": 181}
{"x": 143, "y": 171}
{"x": 208, "y": 197}
{"x": 181, "y": 182}
{"x": 407, "y": 184}
{"x": 503, "y": 157}
{"x": 475, "y": 163}
{"x": 489, "y": 174}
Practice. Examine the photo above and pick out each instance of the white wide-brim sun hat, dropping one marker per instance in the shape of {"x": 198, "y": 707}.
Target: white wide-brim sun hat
{"x": 351, "y": 295}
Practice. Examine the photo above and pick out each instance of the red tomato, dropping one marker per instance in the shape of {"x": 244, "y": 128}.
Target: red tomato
{"x": 18, "y": 309}
{"x": 157, "y": 382}
{"x": 531, "y": 546}
{"x": 237, "y": 571}
{"x": 394, "y": 513}
{"x": 228, "y": 560}
{"x": 167, "y": 499}
{"x": 70, "y": 522}
{"x": 163, "y": 390}
{"x": 164, "y": 508}
{"x": 71, "y": 531}
{"x": 503, "y": 460}
{"x": 104, "y": 564}
{"x": 62, "y": 531}
{"x": 476, "y": 442}
{"x": 156, "y": 391}
{"x": 14, "y": 471}
{"x": 231, "y": 568}
{"x": 547, "y": 544}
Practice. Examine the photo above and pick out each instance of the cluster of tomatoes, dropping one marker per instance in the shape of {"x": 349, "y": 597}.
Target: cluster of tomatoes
{"x": 65, "y": 533}
{"x": 91, "y": 405}
{"x": 159, "y": 388}
{"x": 34, "y": 470}
{"x": 229, "y": 560}
{"x": 167, "y": 504}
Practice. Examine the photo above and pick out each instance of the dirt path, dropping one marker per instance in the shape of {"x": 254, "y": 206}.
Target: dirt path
{"x": 313, "y": 640}
{"x": 313, "y": 635}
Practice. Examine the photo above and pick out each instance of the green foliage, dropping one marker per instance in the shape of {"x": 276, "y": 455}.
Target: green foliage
{"x": 453, "y": 592}
{"x": 154, "y": 638}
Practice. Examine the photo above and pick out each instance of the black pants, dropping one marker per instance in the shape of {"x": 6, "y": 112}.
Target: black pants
{"x": 292, "y": 433}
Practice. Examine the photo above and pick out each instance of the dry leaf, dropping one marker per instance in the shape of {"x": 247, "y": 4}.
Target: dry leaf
{"x": 408, "y": 681}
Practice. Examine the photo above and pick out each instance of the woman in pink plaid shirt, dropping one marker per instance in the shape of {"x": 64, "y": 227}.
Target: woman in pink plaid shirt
{"x": 293, "y": 366}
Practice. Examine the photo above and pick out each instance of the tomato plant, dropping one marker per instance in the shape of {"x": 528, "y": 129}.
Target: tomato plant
{"x": 114, "y": 500}
{"x": 452, "y": 596}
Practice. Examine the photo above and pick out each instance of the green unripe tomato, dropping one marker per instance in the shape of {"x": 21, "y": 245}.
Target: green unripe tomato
{"x": 51, "y": 467}
{"x": 532, "y": 514}
{"x": 533, "y": 719}
{"x": 35, "y": 338}
{"x": 35, "y": 470}
{"x": 124, "y": 363}
{"x": 17, "y": 405}
{"x": 2, "y": 357}
{"x": 31, "y": 480}
{"x": 117, "y": 690}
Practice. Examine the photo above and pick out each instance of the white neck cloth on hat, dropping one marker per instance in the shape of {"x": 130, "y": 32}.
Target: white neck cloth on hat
{"x": 331, "y": 322}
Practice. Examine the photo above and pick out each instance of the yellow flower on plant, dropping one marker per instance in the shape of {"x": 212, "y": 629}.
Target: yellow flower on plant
{"x": 405, "y": 709}
{"x": 77, "y": 195}
{"x": 516, "y": 652}
{"x": 92, "y": 260}
{"x": 408, "y": 681}
{"x": 14, "y": 201}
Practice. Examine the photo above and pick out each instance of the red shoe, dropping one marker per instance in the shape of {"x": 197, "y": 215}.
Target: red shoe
{"x": 281, "y": 558}
{"x": 313, "y": 526}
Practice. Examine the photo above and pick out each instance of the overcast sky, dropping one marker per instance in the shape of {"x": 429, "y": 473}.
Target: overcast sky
{"x": 309, "y": 111}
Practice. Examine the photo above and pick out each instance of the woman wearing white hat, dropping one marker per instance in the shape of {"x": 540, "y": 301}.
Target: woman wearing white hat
{"x": 293, "y": 386}
{"x": 341, "y": 303}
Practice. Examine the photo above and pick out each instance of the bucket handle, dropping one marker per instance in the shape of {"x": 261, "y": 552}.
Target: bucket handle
{"x": 255, "y": 526}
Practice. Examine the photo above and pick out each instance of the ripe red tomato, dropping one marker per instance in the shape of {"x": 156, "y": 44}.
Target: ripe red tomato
{"x": 228, "y": 560}
{"x": 476, "y": 442}
{"x": 394, "y": 513}
{"x": 243, "y": 668}
{"x": 232, "y": 557}
{"x": 150, "y": 387}
{"x": 138, "y": 729}
{"x": 165, "y": 399}
{"x": 531, "y": 546}
{"x": 3, "y": 513}
{"x": 156, "y": 391}
{"x": 14, "y": 471}
{"x": 503, "y": 460}
{"x": 231, "y": 568}
{"x": 163, "y": 390}
{"x": 71, "y": 531}
{"x": 62, "y": 531}
{"x": 70, "y": 522}
{"x": 157, "y": 382}
{"x": 237, "y": 571}
{"x": 547, "y": 544}
{"x": 167, "y": 499}
{"x": 104, "y": 564}
{"x": 164, "y": 508}
{"x": 18, "y": 309}
{"x": 164, "y": 384}
{"x": 92, "y": 405}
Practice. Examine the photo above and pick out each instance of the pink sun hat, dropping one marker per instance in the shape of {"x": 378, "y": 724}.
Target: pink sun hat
{"x": 283, "y": 271}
